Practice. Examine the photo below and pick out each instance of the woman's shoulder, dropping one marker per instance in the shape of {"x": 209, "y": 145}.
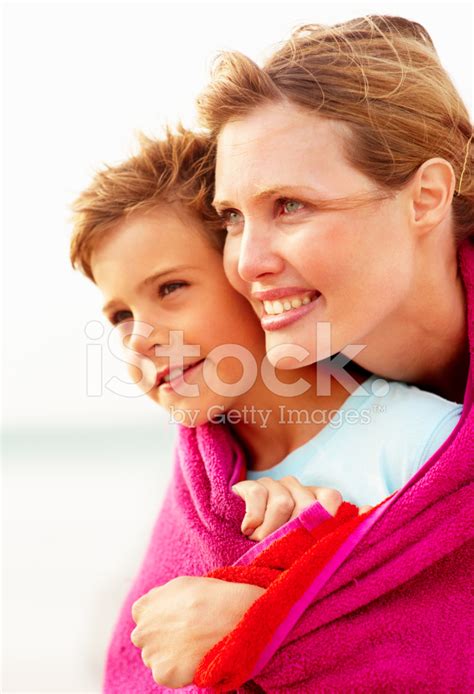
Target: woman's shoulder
{"x": 401, "y": 394}
{"x": 415, "y": 413}
{"x": 413, "y": 424}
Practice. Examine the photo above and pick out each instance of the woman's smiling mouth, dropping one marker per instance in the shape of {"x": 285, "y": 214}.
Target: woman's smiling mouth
{"x": 285, "y": 305}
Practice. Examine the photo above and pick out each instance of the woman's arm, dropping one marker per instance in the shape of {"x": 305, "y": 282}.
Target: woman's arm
{"x": 178, "y": 623}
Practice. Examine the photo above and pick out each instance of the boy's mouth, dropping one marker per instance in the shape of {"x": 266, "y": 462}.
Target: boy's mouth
{"x": 167, "y": 376}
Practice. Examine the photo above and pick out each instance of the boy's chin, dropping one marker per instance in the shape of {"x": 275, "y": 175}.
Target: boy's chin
{"x": 193, "y": 412}
{"x": 189, "y": 413}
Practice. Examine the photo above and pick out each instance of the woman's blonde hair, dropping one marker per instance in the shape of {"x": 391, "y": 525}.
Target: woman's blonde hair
{"x": 381, "y": 76}
{"x": 178, "y": 168}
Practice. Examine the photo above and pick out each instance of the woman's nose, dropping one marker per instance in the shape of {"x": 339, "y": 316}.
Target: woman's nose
{"x": 257, "y": 256}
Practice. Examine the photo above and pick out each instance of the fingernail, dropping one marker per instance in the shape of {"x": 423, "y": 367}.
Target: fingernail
{"x": 248, "y": 531}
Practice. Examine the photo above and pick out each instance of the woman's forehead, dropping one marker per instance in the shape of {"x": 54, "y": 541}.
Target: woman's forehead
{"x": 271, "y": 151}
{"x": 280, "y": 124}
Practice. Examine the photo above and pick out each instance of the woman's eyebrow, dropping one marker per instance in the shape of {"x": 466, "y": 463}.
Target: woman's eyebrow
{"x": 149, "y": 280}
{"x": 277, "y": 189}
{"x": 319, "y": 198}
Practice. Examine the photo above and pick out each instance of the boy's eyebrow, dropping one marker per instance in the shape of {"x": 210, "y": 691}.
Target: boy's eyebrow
{"x": 277, "y": 189}
{"x": 147, "y": 281}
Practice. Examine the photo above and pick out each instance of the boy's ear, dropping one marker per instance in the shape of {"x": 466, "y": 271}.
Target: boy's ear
{"x": 432, "y": 190}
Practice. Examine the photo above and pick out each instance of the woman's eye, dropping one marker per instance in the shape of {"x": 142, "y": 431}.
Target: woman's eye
{"x": 291, "y": 206}
{"x": 170, "y": 287}
{"x": 231, "y": 219}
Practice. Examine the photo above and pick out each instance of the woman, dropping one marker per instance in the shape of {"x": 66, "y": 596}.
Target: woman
{"x": 344, "y": 167}
{"x": 347, "y": 231}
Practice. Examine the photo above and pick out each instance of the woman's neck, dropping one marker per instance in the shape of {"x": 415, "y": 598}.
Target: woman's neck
{"x": 425, "y": 342}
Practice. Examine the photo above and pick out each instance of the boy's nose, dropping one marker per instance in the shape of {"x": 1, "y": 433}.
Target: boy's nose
{"x": 141, "y": 337}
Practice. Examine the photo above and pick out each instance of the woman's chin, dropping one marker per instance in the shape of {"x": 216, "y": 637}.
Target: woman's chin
{"x": 296, "y": 348}
{"x": 279, "y": 359}
{"x": 289, "y": 355}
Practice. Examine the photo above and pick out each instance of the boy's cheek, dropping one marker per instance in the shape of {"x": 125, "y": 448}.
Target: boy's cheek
{"x": 144, "y": 378}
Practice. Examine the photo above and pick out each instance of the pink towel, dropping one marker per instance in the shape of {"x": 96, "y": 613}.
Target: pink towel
{"x": 391, "y": 609}
{"x": 197, "y": 530}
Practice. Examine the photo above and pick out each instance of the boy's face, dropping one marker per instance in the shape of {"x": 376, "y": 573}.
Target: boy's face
{"x": 189, "y": 294}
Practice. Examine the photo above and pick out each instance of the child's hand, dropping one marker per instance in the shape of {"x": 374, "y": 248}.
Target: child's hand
{"x": 271, "y": 503}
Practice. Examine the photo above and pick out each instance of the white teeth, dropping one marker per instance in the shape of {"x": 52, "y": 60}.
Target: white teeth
{"x": 268, "y": 307}
{"x": 274, "y": 308}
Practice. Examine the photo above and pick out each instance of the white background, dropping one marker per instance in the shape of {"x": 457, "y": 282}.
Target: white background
{"x": 84, "y": 475}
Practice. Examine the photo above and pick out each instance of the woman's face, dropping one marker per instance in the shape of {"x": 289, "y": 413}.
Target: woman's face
{"x": 158, "y": 273}
{"x": 299, "y": 254}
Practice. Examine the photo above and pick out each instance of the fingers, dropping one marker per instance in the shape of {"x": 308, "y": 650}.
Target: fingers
{"x": 364, "y": 509}
{"x": 137, "y": 608}
{"x": 303, "y": 496}
{"x": 271, "y": 503}
{"x": 135, "y": 638}
{"x": 139, "y": 605}
{"x": 255, "y": 496}
{"x": 268, "y": 504}
{"x": 330, "y": 499}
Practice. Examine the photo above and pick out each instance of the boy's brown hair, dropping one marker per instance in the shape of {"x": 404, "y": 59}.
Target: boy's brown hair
{"x": 178, "y": 168}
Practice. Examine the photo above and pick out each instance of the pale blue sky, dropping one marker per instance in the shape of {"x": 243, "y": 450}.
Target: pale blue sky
{"x": 80, "y": 79}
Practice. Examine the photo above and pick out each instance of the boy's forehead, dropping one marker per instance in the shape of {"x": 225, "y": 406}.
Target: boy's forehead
{"x": 147, "y": 243}
{"x": 163, "y": 216}
{"x": 156, "y": 226}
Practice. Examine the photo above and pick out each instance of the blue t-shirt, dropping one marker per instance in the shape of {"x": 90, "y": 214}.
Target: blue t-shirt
{"x": 374, "y": 443}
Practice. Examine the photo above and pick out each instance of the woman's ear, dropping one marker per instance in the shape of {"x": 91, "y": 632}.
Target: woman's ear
{"x": 432, "y": 190}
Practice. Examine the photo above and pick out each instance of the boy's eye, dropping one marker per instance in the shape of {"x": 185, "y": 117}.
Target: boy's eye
{"x": 290, "y": 206}
{"x": 170, "y": 287}
{"x": 117, "y": 317}
{"x": 164, "y": 290}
